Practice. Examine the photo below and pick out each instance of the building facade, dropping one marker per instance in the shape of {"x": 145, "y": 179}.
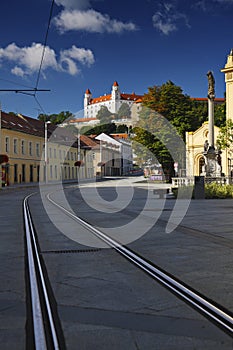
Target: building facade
{"x": 23, "y": 150}
{"x": 195, "y": 140}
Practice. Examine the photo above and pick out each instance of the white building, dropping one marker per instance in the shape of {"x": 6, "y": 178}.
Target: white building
{"x": 115, "y": 154}
{"x": 112, "y": 101}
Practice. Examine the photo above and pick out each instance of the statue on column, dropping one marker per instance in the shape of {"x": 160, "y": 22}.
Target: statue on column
{"x": 211, "y": 85}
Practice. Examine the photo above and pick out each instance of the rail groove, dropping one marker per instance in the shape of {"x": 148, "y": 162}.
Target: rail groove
{"x": 213, "y": 311}
{"x": 44, "y": 338}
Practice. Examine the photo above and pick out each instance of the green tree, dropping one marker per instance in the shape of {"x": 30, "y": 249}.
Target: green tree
{"x": 178, "y": 108}
{"x": 56, "y": 118}
{"x": 220, "y": 114}
{"x": 104, "y": 115}
{"x": 124, "y": 111}
{"x": 123, "y": 128}
{"x": 98, "y": 129}
{"x": 225, "y": 136}
{"x": 165, "y": 107}
{"x": 43, "y": 117}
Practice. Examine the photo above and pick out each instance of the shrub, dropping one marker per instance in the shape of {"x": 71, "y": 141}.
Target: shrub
{"x": 215, "y": 190}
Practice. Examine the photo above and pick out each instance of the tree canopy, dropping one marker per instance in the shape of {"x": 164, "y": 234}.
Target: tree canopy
{"x": 170, "y": 103}
{"x": 104, "y": 115}
{"x": 56, "y": 118}
{"x": 124, "y": 111}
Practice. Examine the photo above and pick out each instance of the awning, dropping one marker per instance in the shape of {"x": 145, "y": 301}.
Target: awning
{"x": 79, "y": 163}
{"x": 4, "y": 158}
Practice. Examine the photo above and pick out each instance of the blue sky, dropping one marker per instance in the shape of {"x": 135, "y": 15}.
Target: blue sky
{"x": 92, "y": 43}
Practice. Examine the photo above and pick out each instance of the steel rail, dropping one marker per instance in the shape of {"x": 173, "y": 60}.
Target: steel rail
{"x": 213, "y": 311}
{"x": 35, "y": 275}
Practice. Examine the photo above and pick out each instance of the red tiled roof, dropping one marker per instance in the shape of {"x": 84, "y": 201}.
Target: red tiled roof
{"x": 87, "y": 141}
{"x": 126, "y": 97}
{"x": 131, "y": 97}
{"x": 88, "y": 91}
{"x": 80, "y": 120}
{"x": 115, "y": 83}
{"x": 217, "y": 99}
{"x": 120, "y": 136}
{"x": 101, "y": 99}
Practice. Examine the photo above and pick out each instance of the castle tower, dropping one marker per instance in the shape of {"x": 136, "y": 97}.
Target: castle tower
{"x": 87, "y": 99}
{"x": 228, "y": 70}
{"x": 116, "y": 95}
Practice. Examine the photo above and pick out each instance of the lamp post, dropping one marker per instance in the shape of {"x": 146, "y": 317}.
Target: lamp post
{"x": 46, "y": 150}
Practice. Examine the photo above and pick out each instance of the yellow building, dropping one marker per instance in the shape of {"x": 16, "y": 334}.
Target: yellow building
{"x": 195, "y": 140}
{"x": 23, "y": 142}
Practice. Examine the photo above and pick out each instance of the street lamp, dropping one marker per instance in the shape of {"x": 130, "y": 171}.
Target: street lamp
{"x": 46, "y": 150}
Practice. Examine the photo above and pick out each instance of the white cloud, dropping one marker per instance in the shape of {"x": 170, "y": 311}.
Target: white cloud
{"x": 90, "y": 21}
{"x": 163, "y": 25}
{"x": 69, "y": 57}
{"x": 28, "y": 59}
{"x": 167, "y": 19}
{"x": 17, "y": 71}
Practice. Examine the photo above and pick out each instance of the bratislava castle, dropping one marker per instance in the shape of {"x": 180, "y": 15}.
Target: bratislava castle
{"x": 112, "y": 101}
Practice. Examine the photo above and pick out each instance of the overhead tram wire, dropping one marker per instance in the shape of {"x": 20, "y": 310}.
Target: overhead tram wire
{"x": 33, "y": 91}
{"x": 44, "y": 46}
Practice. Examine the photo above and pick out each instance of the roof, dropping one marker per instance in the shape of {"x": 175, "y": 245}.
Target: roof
{"x": 87, "y": 141}
{"x": 131, "y": 97}
{"x": 35, "y": 127}
{"x": 23, "y": 124}
{"x": 205, "y": 99}
{"x": 120, "y": 136}
{"x": 81, "y": 120}
{"x": 106, "y": 138}
{"x": 101, "y": 99}
{"x": 126, "y": 97}
{"x": 115, "y": 83}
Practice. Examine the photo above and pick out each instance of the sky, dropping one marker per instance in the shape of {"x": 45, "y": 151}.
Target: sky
{"x": 92, "y": 43}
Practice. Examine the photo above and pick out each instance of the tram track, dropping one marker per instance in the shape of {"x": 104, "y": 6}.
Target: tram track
{"x": 45, "y": 324}
{"x": 216, "y": 313}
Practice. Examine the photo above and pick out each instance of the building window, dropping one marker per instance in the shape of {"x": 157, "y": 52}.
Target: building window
{"x": 30, "y": 148}
{"x": 50, "y": 152}
{"x": 23, "y": 147}
{"x": 55, "y": 153}
{"x": 37, "y": 149}
{"x": 15, "y": 173}
{"x": 15, "y": 143}
{"x": 7, "y": 145}
{"x": 31, "y": 173}
{"x": 51, "y": 171}
{"x": 59, "y": 154}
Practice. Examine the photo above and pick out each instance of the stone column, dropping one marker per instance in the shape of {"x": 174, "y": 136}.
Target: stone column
{"x": 211, "y": 122}
{"x": 212, "y": 166}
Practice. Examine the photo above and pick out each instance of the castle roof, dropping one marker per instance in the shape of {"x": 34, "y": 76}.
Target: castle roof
{"x": 126, "y": 97}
